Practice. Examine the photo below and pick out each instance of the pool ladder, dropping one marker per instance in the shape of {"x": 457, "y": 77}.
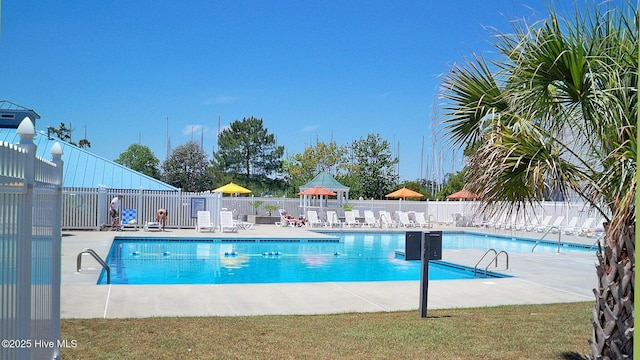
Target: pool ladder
{"x": 98, "y": 259}
{"x": 493, "y": 260}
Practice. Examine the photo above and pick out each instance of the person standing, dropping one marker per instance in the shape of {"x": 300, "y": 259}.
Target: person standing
{"x": 114, "y": 211}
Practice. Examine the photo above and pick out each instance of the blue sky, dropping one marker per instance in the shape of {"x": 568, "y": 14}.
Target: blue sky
{"x": 312, "y": 70}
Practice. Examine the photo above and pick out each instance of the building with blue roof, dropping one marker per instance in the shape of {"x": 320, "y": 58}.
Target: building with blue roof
{"x": 82, "y": 169}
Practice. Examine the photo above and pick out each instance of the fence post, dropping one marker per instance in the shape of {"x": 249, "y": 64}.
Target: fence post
{"x": 56, "y": 248}
{"x": 102, "y": 206}
{"x": 26, "y": 132}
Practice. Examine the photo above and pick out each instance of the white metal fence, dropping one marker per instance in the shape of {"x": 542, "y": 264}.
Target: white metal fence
{"x": 30, "y": 226}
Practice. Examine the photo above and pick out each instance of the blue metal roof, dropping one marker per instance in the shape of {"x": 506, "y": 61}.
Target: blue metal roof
{"x": 87, "y": 170}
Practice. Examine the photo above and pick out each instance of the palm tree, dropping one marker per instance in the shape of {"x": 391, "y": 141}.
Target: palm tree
{"x": 557, "y": 113}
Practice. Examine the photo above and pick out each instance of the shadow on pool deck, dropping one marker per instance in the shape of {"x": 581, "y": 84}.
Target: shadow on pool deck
{"x": 538, "y": 278}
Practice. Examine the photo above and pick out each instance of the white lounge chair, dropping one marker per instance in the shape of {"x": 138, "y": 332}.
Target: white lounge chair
{"x": 403, "y": 219}
{"x": 544, "y": 224}
{"x": 385, "y": 219}
{"x": 420, "y": 220}
{"x": 557, "y": 224}
{"x": 204, "y": 221}
{"x": 571, "y": 225}
{"x": 370, "y": 219}
{"x": 152, "y": 225}
{"x": 350, "y": 219}
{"x": 596, "y": 231}
{"x": 226, "y": 222}
{"x": 585, "y": 226}
{"x": 312, "y": 219}
{"x": 332, "y": 219}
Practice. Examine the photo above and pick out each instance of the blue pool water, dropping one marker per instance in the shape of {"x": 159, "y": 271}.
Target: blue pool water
{"x": 355, "y": 257}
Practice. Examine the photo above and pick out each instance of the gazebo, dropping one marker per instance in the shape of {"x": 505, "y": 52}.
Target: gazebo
{"x": 326, "y": 181}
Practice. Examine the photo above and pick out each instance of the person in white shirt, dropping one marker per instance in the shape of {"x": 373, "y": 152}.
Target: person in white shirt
{"x": 114, "y": 211}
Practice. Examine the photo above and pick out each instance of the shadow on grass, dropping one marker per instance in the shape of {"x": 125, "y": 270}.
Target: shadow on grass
{"x": 573, "y": 356}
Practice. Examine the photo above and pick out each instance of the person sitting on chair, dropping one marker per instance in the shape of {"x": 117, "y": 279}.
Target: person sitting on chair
{"x": 161, "y": 217}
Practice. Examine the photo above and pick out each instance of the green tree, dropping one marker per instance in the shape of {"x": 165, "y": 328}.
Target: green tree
{"x": 373, "y": 167}
{"x": 247, "y": 150}
{"x": 452, "y": 183}
{"x": 323, "y": 157}
{"x": 64, "y": 133}
{"x": 558, "y": 113}
{"x": 186, "y": 168}
{"x": 140, "y": 158}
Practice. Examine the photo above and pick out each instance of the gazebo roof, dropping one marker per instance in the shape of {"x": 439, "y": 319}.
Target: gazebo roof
{"x": 326, "y": 181}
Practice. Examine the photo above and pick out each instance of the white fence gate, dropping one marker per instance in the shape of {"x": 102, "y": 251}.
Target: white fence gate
{"x": 30, "y": 226}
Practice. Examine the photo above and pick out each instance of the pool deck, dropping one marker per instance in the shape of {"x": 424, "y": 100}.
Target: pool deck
{"x": 538, "y": 278}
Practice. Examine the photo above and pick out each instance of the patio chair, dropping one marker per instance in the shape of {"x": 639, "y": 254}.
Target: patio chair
{"x": 420, "y": 220}
{"x": 204, "y": 221}
{"x": 129, "y": 219}
{"x": 350, "y": 219}
{"x": 370, "y": 219}
{"x": 332, "y": 219}
{"x": 571, "y": 226}
{"x": 385, "y": 220}
{"x": 544, "y": 224}
{"x": 227, "y": 222}
{"x": 403, "y": 219}
{"x": 312, "y": 219}
{"x": 555, "y": 227}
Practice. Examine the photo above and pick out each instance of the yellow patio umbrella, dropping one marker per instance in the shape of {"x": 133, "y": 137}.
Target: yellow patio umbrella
{"x": 232, "y": 188}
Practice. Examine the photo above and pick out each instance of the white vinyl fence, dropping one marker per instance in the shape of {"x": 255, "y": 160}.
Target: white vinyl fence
{"x": 31, "y": 193}
{"x": 88, "y": 208}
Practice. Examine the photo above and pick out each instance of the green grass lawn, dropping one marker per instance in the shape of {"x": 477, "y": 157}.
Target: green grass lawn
{"x": 558, "y": 331}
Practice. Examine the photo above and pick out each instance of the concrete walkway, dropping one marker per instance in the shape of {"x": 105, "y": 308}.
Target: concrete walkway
{"x": 538, "y": 278}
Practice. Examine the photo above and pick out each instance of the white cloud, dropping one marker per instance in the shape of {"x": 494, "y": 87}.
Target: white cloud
{"x": 189, "y": 130}
{"x": 310, "y": 128}
{"x": 224, "y": 99}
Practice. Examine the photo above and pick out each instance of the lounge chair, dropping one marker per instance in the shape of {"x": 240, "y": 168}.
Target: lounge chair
{"x": 555, "y": 227}
{"x": 403, "y": 219}
{"x": 597, "y": 231}
{"x": 370, "y": 219}
{"x": 286, "y": 220}
{"x": 544, "y": 224}
{"x": 571, "y": 225}
{"x": 420, "y": 220}
{"x": 350, "y": 219}
{"x": 204, "y": 221}
{"x": 585, "y": 226}
{"x": 312, "y": 219}
{"x": 226, "y": 222}
{"x": 152, "y": 225}
{"x": 531, "y": 226}
{"x": 129, "y": 219}
{"x": 332, "y": 219}
{"x": 385, "y": 219}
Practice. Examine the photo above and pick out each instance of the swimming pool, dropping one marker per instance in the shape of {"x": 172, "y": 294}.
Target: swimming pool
{"x": 355, "y": 257}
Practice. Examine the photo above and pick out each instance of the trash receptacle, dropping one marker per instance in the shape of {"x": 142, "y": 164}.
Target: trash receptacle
{"x": 435, "y": 245}
{"x": 413, "y": 245}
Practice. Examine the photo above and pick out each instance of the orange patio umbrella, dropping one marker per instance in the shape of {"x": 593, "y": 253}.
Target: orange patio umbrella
{"x": 404, "y": 193}
{"x": 318, "y": 191}
{"x": 463, "y": 194}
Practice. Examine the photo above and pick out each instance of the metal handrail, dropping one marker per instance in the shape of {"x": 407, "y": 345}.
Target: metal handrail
{"x": 545, "y": 234}
{"x": 496, "y": 259}
{"x": 98, "y": 259}
{"x": 475, "y": 268}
